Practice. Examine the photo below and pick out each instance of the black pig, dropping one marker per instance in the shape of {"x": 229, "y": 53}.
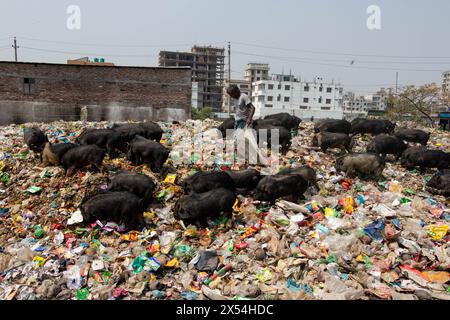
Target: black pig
{"x": 197, "y": 207}
{"x": 369, "y": 164}
{"x": 138, "y": 184}
{"x": 204, "y": 181}
{"x": 82, "y": 156}
{"x": 326, "y": 140}
{"x": 413, "y": 135}
{"x": 146, "y": 151}
{"x": 273, "y": 187}
{"x": 384, "y": 144}
{"x": 440, "y": 183}
{"x": 120, "y": 207}
{"x": 332, "y": 125}
{"x": 35, "y": 139}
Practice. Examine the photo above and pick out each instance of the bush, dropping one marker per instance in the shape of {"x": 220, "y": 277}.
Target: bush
{"x": 201, "y": 114}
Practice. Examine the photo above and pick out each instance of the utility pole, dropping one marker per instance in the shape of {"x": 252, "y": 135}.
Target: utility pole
{"x": 396, "y": 83}
{"x": 15, "y": 48}
{"x": 229, "y": 77}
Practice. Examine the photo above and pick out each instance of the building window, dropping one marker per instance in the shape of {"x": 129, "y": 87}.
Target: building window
{"x": 269, "y": 105}
{"x": 328, "y": 101}
{"x": 303, "y": 107}
{"x": 286, "y": 99}
{"x": 269, "y": 98}
{"x": 258, "y": 78}
{"x": 305, "y": 100}
{"x": 320, "y": 89}
{"x": 261, "y": 86}
{"x": 279, "y": 97}
{"x": 328, "y": 90}
{"x": 261, "y": 99}
{"x": 270, "y": 86}
{"x": 325, "y": 108}
{"x": 279, "y": 87}
{"x": 320, "y": 100}
{"x": 306, "y": 89}
{"x": 287, "y": 88}
{"x": 258, "y": 71}
{"x": 29, "y": 86}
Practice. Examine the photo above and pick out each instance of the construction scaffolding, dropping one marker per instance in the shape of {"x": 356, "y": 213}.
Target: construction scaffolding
{"x": 208, "y": 65}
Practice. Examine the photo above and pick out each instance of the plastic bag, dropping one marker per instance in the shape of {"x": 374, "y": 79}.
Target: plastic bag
{"x": 244, "y": 137}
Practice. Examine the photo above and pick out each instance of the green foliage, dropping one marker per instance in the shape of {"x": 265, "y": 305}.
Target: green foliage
{"x": 202, "y": 114}
{"x": 415, "y": 103}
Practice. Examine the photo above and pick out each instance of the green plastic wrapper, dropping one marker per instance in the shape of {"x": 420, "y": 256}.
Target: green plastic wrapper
{"x": 82, "y": 294}
{"x": 38, "y": 232}
{"x": 34, "y": 189}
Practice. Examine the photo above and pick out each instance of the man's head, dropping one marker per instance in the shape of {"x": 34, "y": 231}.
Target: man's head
{"x": 233, "y": 91}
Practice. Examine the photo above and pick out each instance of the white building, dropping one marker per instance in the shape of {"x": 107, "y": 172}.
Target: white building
{"x": 446, "y": 81}
{"x": 256, "y": 71}
{"x": 303, "y": 99}
{"x": 360, "y": 106}
{"x": 354, "y": 106}
{"x": 379, "y": 100}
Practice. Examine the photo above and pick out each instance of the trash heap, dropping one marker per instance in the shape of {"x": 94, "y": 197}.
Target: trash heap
{"x": 353, "y": 239}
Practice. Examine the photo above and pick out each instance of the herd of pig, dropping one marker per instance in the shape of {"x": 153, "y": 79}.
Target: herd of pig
{"x": 209, "y": 194}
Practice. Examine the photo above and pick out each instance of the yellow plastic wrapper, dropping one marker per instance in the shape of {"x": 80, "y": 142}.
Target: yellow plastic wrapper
{"x": 191, "y": 232}
{"x": 174, "y": 263}
{"x": 2, "y": 165}
{"x": 130, "y": 236}
{"x": 437, "y": 232}
{"x": 235, "y": 205}
{"x": 38, "y": 261}
{"x": 149, "y": 214}
{"x": 170, "y": 178}
{"x": 264, "y": 275}
{"x": 330, "y": 213}
{"x": 438, "y": 276}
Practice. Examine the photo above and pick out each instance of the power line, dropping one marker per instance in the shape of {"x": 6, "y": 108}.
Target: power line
{"x": 119, "y": 45}
{"x": 90, "y": 53}
{"x": 366, "y": 61}
{"x": 332, "y": 65}
{"x": 341, "y": 53}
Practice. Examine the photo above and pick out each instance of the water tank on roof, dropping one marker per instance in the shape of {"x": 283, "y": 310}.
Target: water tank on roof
{"x": 95, "y": 59}
{"x": 102, "y": 60}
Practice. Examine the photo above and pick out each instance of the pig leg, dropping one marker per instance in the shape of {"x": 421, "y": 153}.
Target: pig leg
{"x": 69, "y": 171}
{"x": 45, "y": 161}
{"x": 130, "y": 156}
{"x": 110, "y": 150}
{"x": 350, "y": 172}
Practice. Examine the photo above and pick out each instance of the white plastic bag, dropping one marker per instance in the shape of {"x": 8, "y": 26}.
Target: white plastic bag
{"x": 247, "y": 147}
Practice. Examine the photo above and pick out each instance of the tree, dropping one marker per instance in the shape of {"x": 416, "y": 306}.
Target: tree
{"x": 418, "y": 102}
{"x": 202, "y": 114}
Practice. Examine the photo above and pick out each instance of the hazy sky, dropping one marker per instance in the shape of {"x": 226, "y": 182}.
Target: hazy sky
{"x": 311, "y": 38}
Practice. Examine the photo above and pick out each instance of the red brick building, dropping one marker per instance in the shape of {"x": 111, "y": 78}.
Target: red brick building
{"x": 44, "y": 92}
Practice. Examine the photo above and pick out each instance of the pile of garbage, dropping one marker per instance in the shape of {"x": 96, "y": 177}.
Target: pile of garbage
{"x": 353, "y": 239}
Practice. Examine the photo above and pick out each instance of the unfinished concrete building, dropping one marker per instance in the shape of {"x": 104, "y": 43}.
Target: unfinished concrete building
{"x": 207, "y": 64}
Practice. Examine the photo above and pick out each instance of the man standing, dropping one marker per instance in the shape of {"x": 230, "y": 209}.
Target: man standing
{"x": 244, "y": 107}
{"x": 244, "y": 117}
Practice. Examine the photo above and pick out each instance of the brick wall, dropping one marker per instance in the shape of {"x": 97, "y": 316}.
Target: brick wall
{"x": 110, "y": 93}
